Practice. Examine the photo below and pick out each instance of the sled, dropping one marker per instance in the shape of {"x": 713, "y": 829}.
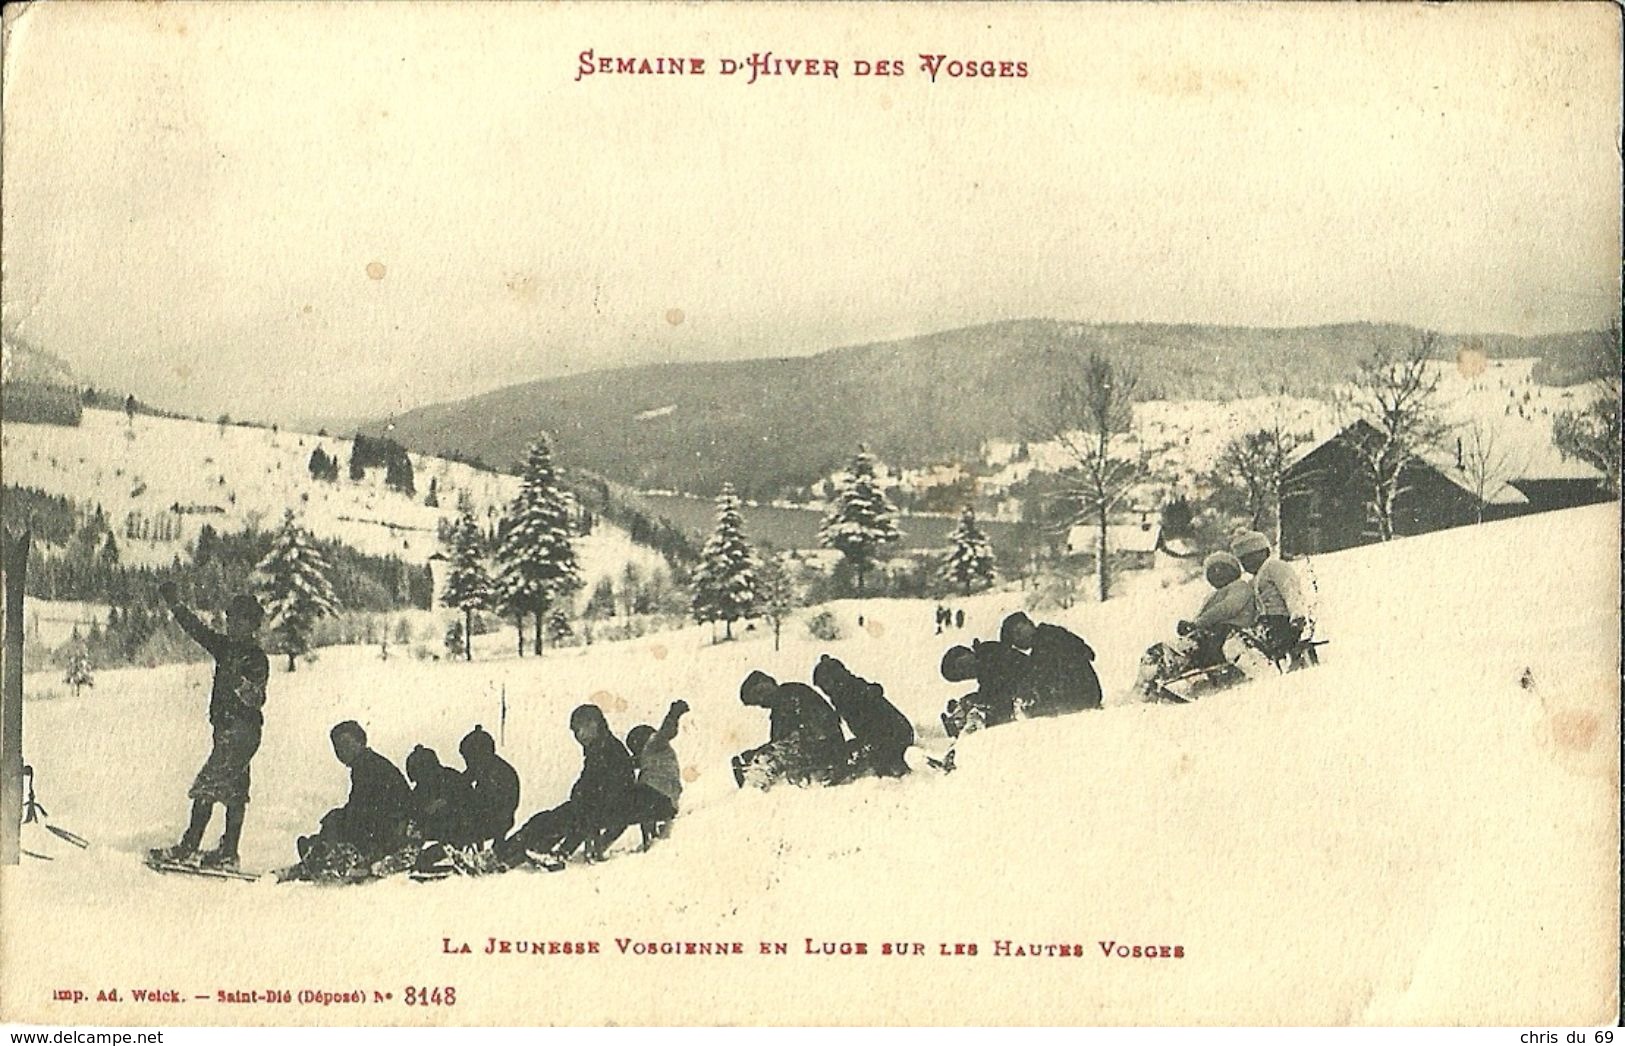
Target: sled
{"x": 185, "y": 868}
{"x": 1187, "y": 687}
{"x": 1190, "y": 685}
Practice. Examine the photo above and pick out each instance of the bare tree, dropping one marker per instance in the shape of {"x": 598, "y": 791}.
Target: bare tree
{"x": 1395, "y": 393}
{"x": 1486, "y": 463}
{"x": 1088, "y": 411}
{"x": 1593, "y": 434}
{"x": 1254, "y": 466}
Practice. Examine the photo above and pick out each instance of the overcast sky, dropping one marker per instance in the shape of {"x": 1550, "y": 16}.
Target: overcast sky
{"x": 289, "y": 212}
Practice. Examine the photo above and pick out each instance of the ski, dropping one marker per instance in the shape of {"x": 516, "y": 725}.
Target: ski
{"x": 183, "y": 868}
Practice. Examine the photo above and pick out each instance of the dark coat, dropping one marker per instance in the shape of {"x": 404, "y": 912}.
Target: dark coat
{"x": 1004, "y": 677}
{"x": 875, "y": 722}
{"x": 374, "y": 818}
{"x": 603, "y": 792}
{"x": 800, "y": 714}
{"x": 1062, "y": 672}
{"x": 241, "y": 670}
{"x": 442, "y": 805}
{"x": 495, "y": 797}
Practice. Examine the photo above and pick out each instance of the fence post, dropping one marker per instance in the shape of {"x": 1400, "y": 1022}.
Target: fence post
{"x": 13, "y": 572}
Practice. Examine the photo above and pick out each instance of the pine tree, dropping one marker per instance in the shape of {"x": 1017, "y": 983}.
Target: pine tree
{"x": 558, "y": 626}
{"x": 468, "y": 583}
{"x": 725, "y": 580}
{"x": 292, "y": 580}
{"x": 777, "y": 591}
{"x": 861, "y": 519}
{"x": 970, "y": 560}
{"x": 536, "y": 552}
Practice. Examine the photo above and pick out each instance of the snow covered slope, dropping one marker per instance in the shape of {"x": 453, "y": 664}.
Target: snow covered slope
{"x": 231, "y": 477}
{"x": 1406, "y": 834}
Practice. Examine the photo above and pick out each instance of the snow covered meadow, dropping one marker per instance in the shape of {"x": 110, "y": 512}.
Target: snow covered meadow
{"x": 1393, "y": 837}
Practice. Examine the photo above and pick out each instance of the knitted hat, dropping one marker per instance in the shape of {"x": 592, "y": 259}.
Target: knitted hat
{"x": 830, "y": 674}
{"x": 757, "y": 688}
{"x": 1221, "y": 569}
{"x": 420, "y": 761}
{"x": 959, "y": 664}
{"x": 246, "y": 607}
{"x": 1017, "y": 621}
{"x": 477, "y": 742}
{"x": 1249, "y": 541}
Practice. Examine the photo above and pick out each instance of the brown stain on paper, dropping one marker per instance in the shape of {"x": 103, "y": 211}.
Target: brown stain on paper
{"x": 376, "y": 270}
{"x": 1575, "y": 729}
{"x": 1471, "y": 361}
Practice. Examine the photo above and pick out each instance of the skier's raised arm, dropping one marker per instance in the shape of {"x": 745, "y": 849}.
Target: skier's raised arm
{"x": 668, "y": 726}
{"x": 214, "y": 642}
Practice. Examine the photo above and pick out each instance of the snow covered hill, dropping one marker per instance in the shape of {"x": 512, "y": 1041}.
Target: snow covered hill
{"x": 1407, "y": 833}
{"x": 231, "y": 477}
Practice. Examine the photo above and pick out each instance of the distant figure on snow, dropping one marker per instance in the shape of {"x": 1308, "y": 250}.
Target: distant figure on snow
{"x": 236, "y": 699}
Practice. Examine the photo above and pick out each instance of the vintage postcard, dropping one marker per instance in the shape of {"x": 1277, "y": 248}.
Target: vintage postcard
{"x": 829, "y": 514}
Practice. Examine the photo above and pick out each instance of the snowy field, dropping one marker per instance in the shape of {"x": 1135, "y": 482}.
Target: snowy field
{"x": 231, "y": 477}
{"x": 1405, "y": 834}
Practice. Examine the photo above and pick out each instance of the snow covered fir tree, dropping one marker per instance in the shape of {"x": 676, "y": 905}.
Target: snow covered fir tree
{"x": 969, "y": 565}
{"x": 860, "y": 518}
{"x": 536, "y": 556}
{"x": 468, "y": 583}
{"x": 725, "y": 587}
{"x": 294, "y": 588}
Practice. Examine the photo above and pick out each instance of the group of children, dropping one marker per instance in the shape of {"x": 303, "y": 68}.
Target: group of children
{"x": 1265, "y": 617}
{"x": 807, "y": 740}
{"x": 1030, "y": 670}
{"x": 445, "y": 819}
{"x": 840, "y": 727}
{"x": 449, "y": 821}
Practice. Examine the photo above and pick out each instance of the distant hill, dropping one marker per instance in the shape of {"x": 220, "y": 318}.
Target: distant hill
{"x": 770, "y": 426}
{"x": 24, "y": 363}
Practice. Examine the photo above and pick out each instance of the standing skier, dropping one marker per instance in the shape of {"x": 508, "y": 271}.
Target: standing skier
{"x": 235, "y": 702}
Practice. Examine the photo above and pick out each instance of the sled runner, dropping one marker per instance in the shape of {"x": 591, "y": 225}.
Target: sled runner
{"x": 1245, "y": 659}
